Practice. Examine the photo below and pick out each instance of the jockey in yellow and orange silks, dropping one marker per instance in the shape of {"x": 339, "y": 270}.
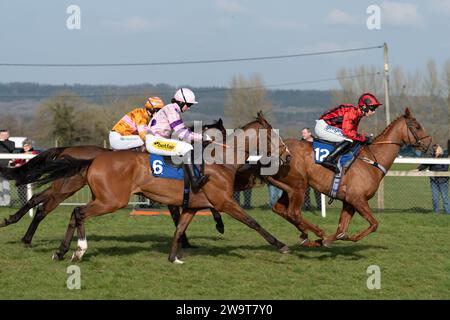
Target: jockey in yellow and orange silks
{"x": 129, "y": 132}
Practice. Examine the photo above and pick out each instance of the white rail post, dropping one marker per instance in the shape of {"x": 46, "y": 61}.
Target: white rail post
{"x": 323, "y": 205}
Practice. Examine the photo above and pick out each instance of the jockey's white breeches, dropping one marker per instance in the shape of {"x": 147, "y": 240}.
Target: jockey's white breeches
{"x": 329, "y": 133}
{"x": 166, "y": 147}
{"x": 119, "y": 142}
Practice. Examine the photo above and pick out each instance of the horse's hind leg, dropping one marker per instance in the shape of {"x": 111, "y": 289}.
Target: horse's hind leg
{"x": 219, "y": 222}
{"x": 34, "y": 201}
{"x": 92, "y": 209}
{"x": 65, "y": 244}
{"x": 185, "y": 219}
{"x": 288, "y": 207}
{"x": 175, "y": 214}
{"x": 48, "y": 205}
{"x": 234, "y": 210}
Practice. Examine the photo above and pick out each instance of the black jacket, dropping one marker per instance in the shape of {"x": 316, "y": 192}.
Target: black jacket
{"x": 435, "y": 167}
{"x": 6, "y": 146}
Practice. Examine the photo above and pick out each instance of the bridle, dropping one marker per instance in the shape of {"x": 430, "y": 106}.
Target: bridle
{"x": 283, "y": 144}
{"x": 418, "y": 140}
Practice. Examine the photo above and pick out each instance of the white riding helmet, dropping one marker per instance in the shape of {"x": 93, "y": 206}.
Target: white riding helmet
{"x": 185, "y": 95}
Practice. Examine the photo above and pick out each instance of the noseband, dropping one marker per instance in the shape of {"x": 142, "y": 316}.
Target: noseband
{"x": 419, "y": 140}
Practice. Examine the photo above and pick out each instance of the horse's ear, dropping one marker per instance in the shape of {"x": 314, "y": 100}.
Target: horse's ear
{"x": 408, "y": 113}
{"x": 219, "y": 122}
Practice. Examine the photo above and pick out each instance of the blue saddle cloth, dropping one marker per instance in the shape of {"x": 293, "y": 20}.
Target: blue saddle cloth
{"x": 323, "y": 148}
{"x": 163, "y": 169}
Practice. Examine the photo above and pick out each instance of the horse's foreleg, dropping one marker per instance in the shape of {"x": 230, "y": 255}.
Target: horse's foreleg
{"x": 365, "y": 212}
{"x": 347, "y": 213}
{"x": 234, "y": 210}
{"x": 175, "y": 214}
{"x": 184, "y": 221}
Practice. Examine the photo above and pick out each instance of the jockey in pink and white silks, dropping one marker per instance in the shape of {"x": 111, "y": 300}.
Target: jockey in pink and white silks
{"x": 167, "y": 121}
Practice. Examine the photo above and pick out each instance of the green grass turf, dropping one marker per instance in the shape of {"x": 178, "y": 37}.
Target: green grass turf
{"x": 127, "y": 259}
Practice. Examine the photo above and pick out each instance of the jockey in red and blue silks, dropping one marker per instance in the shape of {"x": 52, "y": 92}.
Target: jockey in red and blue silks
{"x": 341, "y": 125}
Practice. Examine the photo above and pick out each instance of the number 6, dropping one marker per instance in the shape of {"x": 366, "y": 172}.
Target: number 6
{"x": 157, "y": 167}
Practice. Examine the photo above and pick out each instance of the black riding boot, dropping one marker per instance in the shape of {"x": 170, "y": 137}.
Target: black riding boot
{"x": 196, "y": 182}
{"x": 331, "y": 160}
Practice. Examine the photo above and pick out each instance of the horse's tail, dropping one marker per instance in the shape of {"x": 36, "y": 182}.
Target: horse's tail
{"x": 31, "y": 169}
{"x": 60, "y": 168}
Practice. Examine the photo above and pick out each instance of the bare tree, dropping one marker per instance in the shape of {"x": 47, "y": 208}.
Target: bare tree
{"x": 245, "y": 99}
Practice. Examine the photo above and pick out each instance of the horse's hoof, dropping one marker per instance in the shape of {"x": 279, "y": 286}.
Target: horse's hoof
{"x": 304, "y": 242}
{"x": 75, "y": 258}
{"x": 56, "y": 257}
{"x": 177, "y": 261}
{"x": 327, "y": 243}
{"x": 27, "y": 244}
{"x": 342, "y": 236}
{"x": 221, "y": 229}
{"x": 284, "y": 249}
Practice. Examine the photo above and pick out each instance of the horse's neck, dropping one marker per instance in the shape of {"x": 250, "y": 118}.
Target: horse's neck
{"x": 385, "y": 153}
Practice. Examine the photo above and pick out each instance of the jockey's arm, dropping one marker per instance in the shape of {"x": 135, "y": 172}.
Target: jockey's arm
{"x": 140, "y": 120}
{"x": 349, "y": 128}
{"x": 180, "y": 129}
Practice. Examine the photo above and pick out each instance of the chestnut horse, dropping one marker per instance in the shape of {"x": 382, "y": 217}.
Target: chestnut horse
{"x": 359, "y": 184}
{"x": 113, "y": 177}
{"x": 62, "y": 189}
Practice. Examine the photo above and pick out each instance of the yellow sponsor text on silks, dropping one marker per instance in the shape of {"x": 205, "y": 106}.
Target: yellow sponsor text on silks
{"x": 164, "y": 145}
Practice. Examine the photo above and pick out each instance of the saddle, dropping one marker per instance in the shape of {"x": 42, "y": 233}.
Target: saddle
{"x": 164, "y": 167}
{"x": 322, "y": 149}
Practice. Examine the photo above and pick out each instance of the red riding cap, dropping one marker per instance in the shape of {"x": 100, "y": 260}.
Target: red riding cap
{"x": 369, "y": 100}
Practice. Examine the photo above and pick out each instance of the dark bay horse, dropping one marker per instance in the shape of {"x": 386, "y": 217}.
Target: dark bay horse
{"x": 62, "y": 189}
{"x": 359, "y": 184}
{"x": 113, "y": 177}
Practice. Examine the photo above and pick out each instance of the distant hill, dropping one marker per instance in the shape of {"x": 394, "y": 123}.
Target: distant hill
{"x": 293, "y": 109}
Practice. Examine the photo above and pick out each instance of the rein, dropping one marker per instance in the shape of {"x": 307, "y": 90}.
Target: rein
{"x": 416, "y": 144}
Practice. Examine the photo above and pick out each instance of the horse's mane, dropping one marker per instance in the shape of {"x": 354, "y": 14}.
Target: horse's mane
{"x": 389, "y": 126}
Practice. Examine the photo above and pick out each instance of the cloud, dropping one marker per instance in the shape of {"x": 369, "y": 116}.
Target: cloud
{"x": 134, "y": 24}
{"x": 400, "y": 14}
{"x": 230, "y": 6}
{"x": 340, "y": 18}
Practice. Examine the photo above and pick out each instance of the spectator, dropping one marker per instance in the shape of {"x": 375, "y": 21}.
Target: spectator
{"x": 307, "y": 135}
{"x": 439, "y": 185}
{"x": 6, "y": 146}
{"x": 274, "y": 194}
{"x": 247, "y": 198}
{"x": 27, "y": 147}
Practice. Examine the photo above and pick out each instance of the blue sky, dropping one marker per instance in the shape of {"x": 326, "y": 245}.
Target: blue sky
{"x": 171, "y": 30}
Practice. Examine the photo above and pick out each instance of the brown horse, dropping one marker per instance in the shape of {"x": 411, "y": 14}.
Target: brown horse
{"x": 358, "y": 185}
{"x": 62, "y": 189}
{"x": 113, "y": 177}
